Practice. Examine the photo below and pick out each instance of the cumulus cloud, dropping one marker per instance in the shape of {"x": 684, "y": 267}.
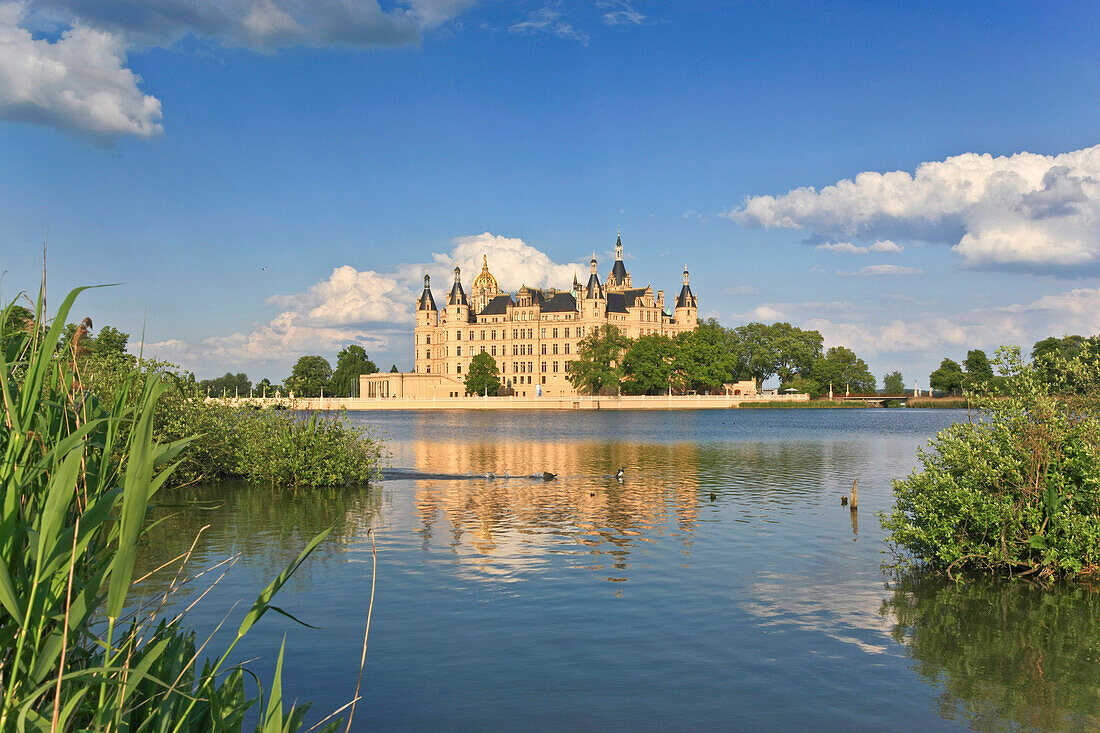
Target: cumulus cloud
{"x": 1024, "y": 211}
{"x": 551, "y": 21}
{"x": 375, "y": 310}
{"x": 80, "y": 84}
{"x": 77, "y": 83}
{"x": 1074, "y": 311}
{"x": 882, "y": 246}
{"x": 877, "y": 270}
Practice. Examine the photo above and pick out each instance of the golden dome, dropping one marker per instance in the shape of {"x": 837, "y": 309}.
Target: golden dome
{"x": 485, "y": 279}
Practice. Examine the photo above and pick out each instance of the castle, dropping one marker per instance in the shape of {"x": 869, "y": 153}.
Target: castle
{"x": 532, "y": 335}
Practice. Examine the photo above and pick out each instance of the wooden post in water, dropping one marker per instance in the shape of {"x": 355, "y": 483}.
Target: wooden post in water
{"x": 854, "y": 503}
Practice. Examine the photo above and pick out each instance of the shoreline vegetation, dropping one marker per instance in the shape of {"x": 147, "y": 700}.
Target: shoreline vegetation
{"x": 1015, "y": 489}
{"x": 88, "y": 440}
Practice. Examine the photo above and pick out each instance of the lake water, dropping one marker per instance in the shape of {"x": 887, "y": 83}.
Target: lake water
{"x": 719, "y": 585}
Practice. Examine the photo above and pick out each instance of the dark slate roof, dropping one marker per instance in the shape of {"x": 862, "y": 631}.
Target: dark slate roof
{"x": 618, "y": 272}
{"x": 560, "y": 303}
{"x": 457, "y": 296}
{"x": 593, "y": 289}
{"x": 498, "y": 306}
{"x": 633, "y": 296}
{"x": 426, "y": 302}
{"x": 685, "y": 299}
{"x": 616, "y": 303}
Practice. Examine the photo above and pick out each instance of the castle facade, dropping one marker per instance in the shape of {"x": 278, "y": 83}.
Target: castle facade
{"x": 531, "y": 334}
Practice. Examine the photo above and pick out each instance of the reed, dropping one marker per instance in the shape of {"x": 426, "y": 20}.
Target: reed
{"x": 806, "y": 405}
{"x": 942, "y": 403}
{"x": 78, "y": 475}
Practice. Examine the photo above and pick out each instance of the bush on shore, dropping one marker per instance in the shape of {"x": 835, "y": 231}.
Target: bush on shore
{"x": 1016, "y": 490}
{"x": 272, "y": 445}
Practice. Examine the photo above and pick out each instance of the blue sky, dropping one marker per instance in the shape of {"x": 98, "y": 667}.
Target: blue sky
{"x": 181, "y": 146}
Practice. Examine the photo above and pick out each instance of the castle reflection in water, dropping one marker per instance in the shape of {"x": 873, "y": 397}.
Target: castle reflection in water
{"x": 505, "y": 526}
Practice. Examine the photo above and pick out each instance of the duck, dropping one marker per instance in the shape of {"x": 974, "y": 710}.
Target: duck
{"x": 844, "y": 501}
{"x": 713, "y": 496}
{"x": 620, "y": 473}
{"x": 546, "y": 475}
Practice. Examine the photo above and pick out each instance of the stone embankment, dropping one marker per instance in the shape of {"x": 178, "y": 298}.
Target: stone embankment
{"x": 633, "y": 402}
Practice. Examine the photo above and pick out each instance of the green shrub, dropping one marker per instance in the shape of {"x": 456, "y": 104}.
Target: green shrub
{"x": 1016, "y": 490}
{"x": 280, "y": 448}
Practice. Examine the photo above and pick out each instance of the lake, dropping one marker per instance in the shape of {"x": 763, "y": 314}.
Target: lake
{"x": 719, "y": 585}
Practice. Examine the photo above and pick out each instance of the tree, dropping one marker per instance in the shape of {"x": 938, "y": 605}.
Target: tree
{"x": 350, "y": 363}
{"x": 756, "y": 351}
{"x": 228, "y": 384}
{"x": 706, "y": 358}
{"x": 393, "y": 369}
{"x": 648, "y": 364}
{"x": 17, "y": 320}
{"x": 598, "y": 366}
{"x": 844, "y": 370}
{"x": 483, "y": 378}
{"x": 310, "y": 375}
{"x": 948, "y": 378}
{"x": 978, "y": 368}
{"x": 794, "y": 349}
{"x": 1064, "y": 348}
{"x": 109, "y": 342}
{"x": 893, "y": 383}
{"x": 265, "y": 388}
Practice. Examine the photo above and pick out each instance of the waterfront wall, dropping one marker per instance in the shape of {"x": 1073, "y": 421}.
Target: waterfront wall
{"x": 633, "y": 402}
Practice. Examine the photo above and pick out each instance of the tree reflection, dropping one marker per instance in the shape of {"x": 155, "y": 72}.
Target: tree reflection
{"x": 1005, "y": 654}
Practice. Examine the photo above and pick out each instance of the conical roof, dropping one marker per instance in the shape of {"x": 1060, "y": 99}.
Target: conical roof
{"x": 426, "y": 302}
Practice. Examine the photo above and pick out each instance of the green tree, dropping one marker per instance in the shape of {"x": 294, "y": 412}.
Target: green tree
{"x": 228, "y": 384}
{"x": 948, "y": 378}
{"x": 310, "y": 375}
{"x": 109, "y": 341}
{"x": 350, "y": 363}
{"x": 757, "y": 351}
{"x": 893, "y": 383}
{"x": 483, "y": 378}
{"x": 598, "y": 367}
{"x": 17, "y": 320}
{"x": 978, "y": 368}
{"x": 794, "y": 349}
{"x": 1065, "y": 348}
{"x": 265, "y": 387}
{"x": 844, "y": 370}
{"x": 706, "y": 358}
{"x": 648, "y": 364}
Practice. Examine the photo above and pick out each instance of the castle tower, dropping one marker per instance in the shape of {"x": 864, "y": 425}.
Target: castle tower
{"x": 618, "y": 278}
{"x": 595, "y": 299}
{"x": 484, "y": 288}
{"x": 427, "y": 323}
{"x": 426, "y": 312}
{"x": 687, "y": 307}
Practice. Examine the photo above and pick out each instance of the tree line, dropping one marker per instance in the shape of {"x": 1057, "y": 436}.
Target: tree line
{"x": 701, "y": 360}
{"x": 977, "y": 372}
{"x": 310, "y": 376}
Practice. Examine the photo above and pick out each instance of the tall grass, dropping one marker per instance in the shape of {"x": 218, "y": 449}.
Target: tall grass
{"x": 78, "y": 474}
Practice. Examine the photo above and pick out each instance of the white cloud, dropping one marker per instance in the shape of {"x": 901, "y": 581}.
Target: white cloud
{"x": 513, "y": 262}
{"x": 1023, "y": 210}
{"x": 881, "y": 246}
{"x": 551, "y": 21}
{"x": 350, "y": 297}
{"x": 621, "y": 12}
{"x": 77, "y": 83}
{"x": 877, "y": 270}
